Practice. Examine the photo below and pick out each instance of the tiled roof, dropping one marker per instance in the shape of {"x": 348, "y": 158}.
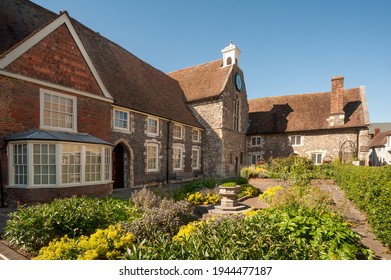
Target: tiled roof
{"x": 303, "y": 112}
{"x": 380, "y": 139}
{"x": 202, "y": 81}
{"x": 133, "y": 83}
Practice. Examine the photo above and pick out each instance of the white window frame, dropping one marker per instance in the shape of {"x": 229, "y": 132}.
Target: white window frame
{"x": 42, "y": 109}
{"x": 156, "y": 157}
{"x": 196, "y": 162}
{"x": 257, "y": 156}
{"x": 293, "y": 140}
{"x": 175, "y": 150}
{"x": 105, "y": 151}
{"x": 149, "y": 133}
{"x": 175, "y": 132}
{"x": 197, "y": 133}
{"x": 256, "y": 138}
{"x": 120, "y": 128}
{"x": 317, "y": 154}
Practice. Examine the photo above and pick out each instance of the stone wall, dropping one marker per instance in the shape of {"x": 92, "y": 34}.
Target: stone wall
{"x": 135, "y": 142}
{"x": 332, "y": 143}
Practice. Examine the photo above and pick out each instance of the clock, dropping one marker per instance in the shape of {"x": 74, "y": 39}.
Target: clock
{"x": 238, "y": 82}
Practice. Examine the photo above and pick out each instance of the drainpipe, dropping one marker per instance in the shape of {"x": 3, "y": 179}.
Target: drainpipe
{"x": 358, "y": 143}
{"x": 167, "y": 152}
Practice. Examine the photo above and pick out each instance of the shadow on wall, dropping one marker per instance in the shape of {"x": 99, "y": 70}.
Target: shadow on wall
{"x": 272, "y": 125}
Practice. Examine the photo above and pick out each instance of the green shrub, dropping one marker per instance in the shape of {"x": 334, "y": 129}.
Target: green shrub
{"x": 106, "y": 244}
{"x": 204, "y": 197}
{"x": 163, "y": 216}
{"x": 298, "y": 196}
{"x": 182, "y": 192}
{"x": 268, "y": 195}
{"x": 370, "y": 188}
{"x": 31, "y": 228}
{"x": 237, "y": 180}
{"x": 274, "y": 233}
{"x": 254, "y": 171}
{"x": 248, "y": 190}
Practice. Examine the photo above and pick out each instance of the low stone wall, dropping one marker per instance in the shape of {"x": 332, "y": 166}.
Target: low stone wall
{"x": 42, "y": 195}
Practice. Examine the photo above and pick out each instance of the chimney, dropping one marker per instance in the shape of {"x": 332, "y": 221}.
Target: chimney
{"x": 377, "y": 131}
{"x": 337, "y": 115}
{"x": 337, "y": 90}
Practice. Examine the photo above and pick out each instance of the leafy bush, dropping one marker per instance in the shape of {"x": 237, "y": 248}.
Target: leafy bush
{"x": 270, "y": 193}
{"x": 31, "y": 228}
{"x": 192, "y": 187}
{"x": 248, "y": 190}
{"x": 274, "y": 233}
{"x": 370, "y": 188}
{"x": 204, "y": 197}
{"x": 297, "y": 196}
{"x": 254, "y": 171}
{"x": 161, "y": 216}
{"x": 237, "y": 180}
{"x": 106, "y": 244}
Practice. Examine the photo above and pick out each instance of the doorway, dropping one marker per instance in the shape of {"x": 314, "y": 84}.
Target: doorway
{"x": 120, "y": 162}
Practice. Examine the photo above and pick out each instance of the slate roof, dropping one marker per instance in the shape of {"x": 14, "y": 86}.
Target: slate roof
{"x": 133, "y": 83}
{"x": 303, "y": 112}
{"x": 380, "y": 140}
{"x": 56, "y": 136}
{"x": 203, "y": 81}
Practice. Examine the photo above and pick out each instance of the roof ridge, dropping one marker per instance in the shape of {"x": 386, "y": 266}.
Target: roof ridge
{"x": 298, "y": 94}
{"x": 194, "y": 66}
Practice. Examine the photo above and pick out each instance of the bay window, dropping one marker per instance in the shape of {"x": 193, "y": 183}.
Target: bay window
{"x": 51, "y": 164}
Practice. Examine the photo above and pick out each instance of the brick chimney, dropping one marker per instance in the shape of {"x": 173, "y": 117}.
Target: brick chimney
{"x": 337, "y": 115}
{"x": 337, "y": 90}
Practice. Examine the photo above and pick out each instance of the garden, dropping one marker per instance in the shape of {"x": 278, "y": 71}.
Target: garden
{"x": 301, "y": 222}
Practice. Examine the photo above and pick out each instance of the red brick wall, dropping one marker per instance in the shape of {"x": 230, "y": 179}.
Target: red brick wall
{"x": 57, "y": 59}
{"x": 42, "y": 195}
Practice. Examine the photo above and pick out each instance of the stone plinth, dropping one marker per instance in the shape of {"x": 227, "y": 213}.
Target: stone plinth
{"x": 229, "y": 201}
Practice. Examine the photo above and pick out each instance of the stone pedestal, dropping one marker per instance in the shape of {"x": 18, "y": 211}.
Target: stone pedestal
{"x": 229, "y": 201}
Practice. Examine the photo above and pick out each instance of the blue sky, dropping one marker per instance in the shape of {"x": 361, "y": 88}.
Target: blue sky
{"x": 288, "y": 47}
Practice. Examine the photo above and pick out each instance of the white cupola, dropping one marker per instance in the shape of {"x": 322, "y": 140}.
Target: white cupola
{"x": 230, "y": 55}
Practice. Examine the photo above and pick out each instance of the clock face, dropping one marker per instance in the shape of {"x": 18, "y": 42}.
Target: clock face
{"x": 238, "y": 82}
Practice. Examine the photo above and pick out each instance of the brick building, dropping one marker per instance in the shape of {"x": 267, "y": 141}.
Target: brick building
{"x": 80, "y": 115}
{"x": 322, "y": 126}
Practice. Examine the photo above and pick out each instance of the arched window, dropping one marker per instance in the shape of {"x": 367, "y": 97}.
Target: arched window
{"x": 229, "y": 61}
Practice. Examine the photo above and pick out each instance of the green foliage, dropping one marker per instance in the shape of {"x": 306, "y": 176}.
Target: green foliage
{"x": 161, "y": 216}
{"x": 106, "y": 244}
{"x": 31, "y": 228}
{"x": 274, "y": 233}
{"x": 192, "y": 187}
{"x": 268, "y": 195}
{"x": 254, "y": 171}
{"x": 237, "y": 180}
{"x": 204, "y": 197}
{"x": 229, "y": 184}
{"x": 248, "y": 190}
{"x": 370, "y": 188}
{"x": 298, "y": 196}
